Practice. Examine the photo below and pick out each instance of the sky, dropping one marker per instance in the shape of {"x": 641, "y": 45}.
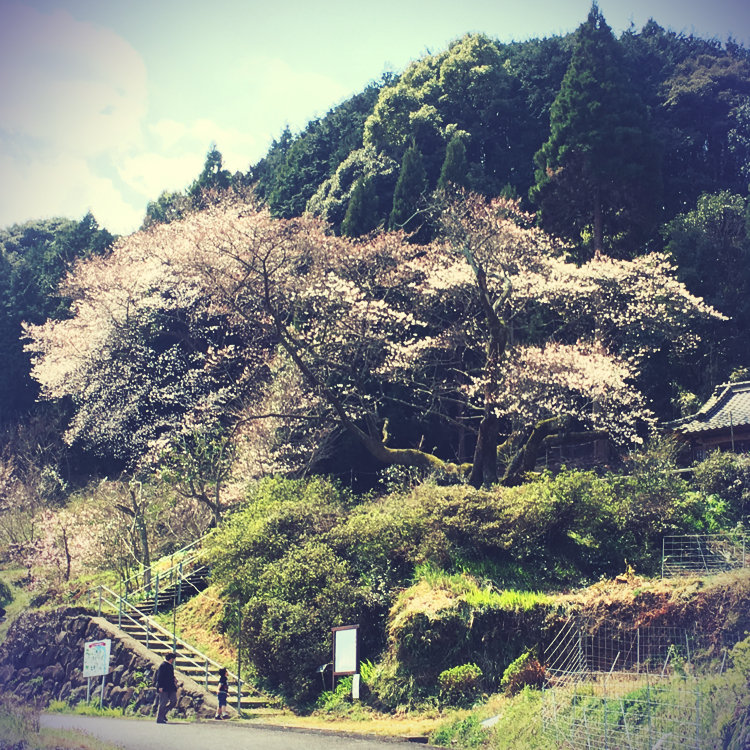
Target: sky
{"x": 104, "y": 104}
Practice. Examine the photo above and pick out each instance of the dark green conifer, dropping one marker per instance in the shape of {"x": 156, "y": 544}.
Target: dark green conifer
{"x": 410, "y": 187}
{"x": 362, "y": 212}
{"x": 597, "y": 175}
{"x": 455, "y": 167}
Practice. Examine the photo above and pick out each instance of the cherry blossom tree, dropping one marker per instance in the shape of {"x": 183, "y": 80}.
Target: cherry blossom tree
{"x": 493, "y": 319}
{"x": 551, "y": 341}
{"x": 489, "y": 332}
{"x": 141, "y": 356}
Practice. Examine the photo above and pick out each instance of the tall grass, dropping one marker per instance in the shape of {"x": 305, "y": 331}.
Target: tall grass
{"x": 19, "y": 730}
{"x": 476, "y": 594}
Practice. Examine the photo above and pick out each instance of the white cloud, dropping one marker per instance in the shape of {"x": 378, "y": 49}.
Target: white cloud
{"x": 74, "y": 130}
{"x": 151, "y": 173}
{"x": 67, "y": 85}
{"x": 274, "y": 92}
{"x": 179, "y": 153}
{"x": 37, "y": 184}
{"x": 73, "y": 98}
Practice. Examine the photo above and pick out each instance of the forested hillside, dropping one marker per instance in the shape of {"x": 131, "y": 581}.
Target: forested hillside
{"x": 620, "y": 145}
{"x": 356, "y": 360}
{"x": 413, "y": 315}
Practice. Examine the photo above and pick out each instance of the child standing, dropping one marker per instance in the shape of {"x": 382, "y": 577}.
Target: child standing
{"x": 223, "y": 693}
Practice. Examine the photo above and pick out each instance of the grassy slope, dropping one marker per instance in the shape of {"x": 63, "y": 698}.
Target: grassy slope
{"x": 12, "y": 577}
{"x": 721, "y": 603}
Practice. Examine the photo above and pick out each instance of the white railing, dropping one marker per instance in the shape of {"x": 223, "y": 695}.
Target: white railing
{"x": 169, "y": 572}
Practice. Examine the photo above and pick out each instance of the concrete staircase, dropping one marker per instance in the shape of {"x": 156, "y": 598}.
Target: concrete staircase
{"x": 140, "y": 626}
{"x": 176, "y": 592}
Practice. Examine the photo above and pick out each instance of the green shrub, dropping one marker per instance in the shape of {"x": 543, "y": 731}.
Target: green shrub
{"x": 446, "y": 620}
{"x": 652, "y": 501}
{"x": 287, "y": 622}
{"x": 726, "y": 475}
{"x": 6, "y": 595}
{"x": 340, "y": 699}
{"x": 522, "y": 672}
{"x": 382, "y": 539}
{"x": 279, "y": 514}
{"x": 19, "y": 723}
{"x": 390, "y": 688}
{"x": 460, "y": 686}
{"x": 464, "y": 733}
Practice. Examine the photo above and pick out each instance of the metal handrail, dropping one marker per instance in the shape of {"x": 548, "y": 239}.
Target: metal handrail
{"x": 125, "y": 581}
{"x": 173, "y": 639}
{"x": 161, "y": 575}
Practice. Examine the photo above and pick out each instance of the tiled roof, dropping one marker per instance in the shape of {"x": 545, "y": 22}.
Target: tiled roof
{"x": 729, "y": 406}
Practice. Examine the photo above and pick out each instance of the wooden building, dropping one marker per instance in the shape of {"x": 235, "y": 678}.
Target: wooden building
{"x": 722, "y": 423}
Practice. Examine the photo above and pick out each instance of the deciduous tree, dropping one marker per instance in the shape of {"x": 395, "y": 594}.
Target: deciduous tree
{"x": 490, "y": 330}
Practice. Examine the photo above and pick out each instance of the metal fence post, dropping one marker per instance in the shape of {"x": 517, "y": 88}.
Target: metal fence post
{"x": 99, "y": 609}
{"x": 697, "y": 716}
{"x": 606, "y": 728}
{"x": 156, "y": 596}
{"x": 239, "y": 657}
{"x": 638, "y": 650}
{"x": 581, "y": 658}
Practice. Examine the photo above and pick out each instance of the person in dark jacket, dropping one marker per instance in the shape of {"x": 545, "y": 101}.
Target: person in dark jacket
{"x": 166, "y": 687}
{"x": 223, "y": 693}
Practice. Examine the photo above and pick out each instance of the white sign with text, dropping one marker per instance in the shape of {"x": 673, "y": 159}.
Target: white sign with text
{"x": 96, "y": 658}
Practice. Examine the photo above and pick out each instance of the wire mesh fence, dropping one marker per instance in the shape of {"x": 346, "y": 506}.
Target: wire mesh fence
{"x": 610, "y": 687}
{"x": 639, "y": 714}
{"x": 579, "y": 653}
{"x": 702, "y": 553}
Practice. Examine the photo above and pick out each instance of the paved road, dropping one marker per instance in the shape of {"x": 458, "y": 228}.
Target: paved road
{"x": 139, "y": 734}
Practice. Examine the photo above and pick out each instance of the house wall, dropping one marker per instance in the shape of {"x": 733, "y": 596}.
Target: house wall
{"x": 702, "y": 446}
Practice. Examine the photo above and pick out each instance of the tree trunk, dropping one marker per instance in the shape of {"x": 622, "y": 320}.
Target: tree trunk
{"x": 67, "y": 554}
{"x": 140, "y": 524}
{"x": 215, "y": 508}
{"x": 525, "y": 459}
{"x": 484, "y": 468}
{"x": 598, "y": 223}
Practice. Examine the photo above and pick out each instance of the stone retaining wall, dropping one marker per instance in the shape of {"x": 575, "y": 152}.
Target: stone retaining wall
{"x": 41, "y": 660}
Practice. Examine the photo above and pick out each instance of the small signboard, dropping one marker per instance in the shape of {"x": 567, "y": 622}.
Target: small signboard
{"x": 345, "y": 650}
{"x": 96, "y": 658}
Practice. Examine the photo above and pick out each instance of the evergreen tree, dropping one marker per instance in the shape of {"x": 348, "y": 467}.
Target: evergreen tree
{"x": 34, "y": 257}
{"x": 213, "y": 176}
{"x": 455, "y": 167}
{"x": 362, "y": 212}
{"x": 597, "y": 175}
{"x": 410, "y": 187}
{"x": 711, "y": 246}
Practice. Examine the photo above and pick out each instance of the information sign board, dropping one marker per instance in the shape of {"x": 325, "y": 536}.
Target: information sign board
{"x": 96, "y": 658}
{"x": 345, "y": 650}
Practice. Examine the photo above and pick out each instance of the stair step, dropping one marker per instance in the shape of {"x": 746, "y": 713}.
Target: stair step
{"x": 249, "y": 701}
